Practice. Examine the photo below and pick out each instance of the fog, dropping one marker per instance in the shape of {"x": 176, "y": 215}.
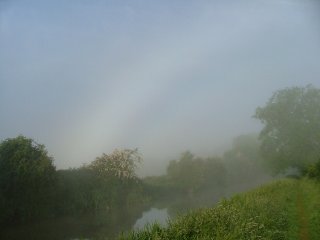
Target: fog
{"x": 86, "y": 77}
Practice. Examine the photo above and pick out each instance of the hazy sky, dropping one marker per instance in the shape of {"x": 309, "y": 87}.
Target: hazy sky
{"x": 85, "y": 77}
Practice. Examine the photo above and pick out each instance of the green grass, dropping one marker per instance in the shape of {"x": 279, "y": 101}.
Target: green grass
{"x": 285, "y": 209}
{"x": 310, "y": 194}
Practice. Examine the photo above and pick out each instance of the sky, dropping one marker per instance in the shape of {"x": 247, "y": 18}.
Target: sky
{"x": 85, "y": 77}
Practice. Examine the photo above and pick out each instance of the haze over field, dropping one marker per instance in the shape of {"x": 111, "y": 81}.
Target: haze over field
{"x": 85, "y": 77}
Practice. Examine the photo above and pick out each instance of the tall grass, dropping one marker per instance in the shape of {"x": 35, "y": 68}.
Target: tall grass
{"x": 269, "y": 212}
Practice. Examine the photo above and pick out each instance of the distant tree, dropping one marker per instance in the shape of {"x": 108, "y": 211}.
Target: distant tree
{"x": 27, "y": 174}
{"x": 120, "y": 164}
{"x": 291, "y": 133}
{"x": 244, "y": 153}
{"x": 245, "y": 166}
{"x": 245, "y": 146}
{"x": 186, "y": 173}
{"x": 193, "y": 174}
{"x": 214, "y": 173}
{"x": 313, "y": 170}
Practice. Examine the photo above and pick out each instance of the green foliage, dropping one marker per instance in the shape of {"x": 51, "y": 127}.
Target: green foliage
{"x": 120, "y": 164}
{"x": 193, "y": 174}
{"x": 190, "y": 182}
{"x": 78, "y": 192}
{"x": 245, "y": 149}
{"x": 107, "y": 183}
{"x": 269, "y": 212}
{"x": 244, "y": 164}
{"x": 291, "y": 135}
{"x": 27, "y": 178}
{"x": 186, "y": 173}
{"x": 31, "y": 188}
{"x": 310, "y": 198}
{"x": 313, "y": 170}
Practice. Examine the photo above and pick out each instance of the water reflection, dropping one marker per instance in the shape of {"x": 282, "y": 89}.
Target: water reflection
{"x": 105, "y": 225}
{"x": 153, "y": 215}
{"x": 98, "y": 226}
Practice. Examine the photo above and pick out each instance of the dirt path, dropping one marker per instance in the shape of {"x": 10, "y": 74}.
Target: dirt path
{"x": 303, "y": 220}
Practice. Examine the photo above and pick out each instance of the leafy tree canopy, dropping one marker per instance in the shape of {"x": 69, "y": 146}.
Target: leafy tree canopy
{"x": 245, "y": 149}
{"x": 26, "y": 174}
{"x": 291, "y": 133}
{"x": 121, "y": 164}
{"x": 193, "y": 173}
{"x": 22, "y": 162}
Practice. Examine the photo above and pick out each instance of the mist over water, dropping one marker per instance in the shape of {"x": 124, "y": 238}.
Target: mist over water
{"x": 172, "y": 83}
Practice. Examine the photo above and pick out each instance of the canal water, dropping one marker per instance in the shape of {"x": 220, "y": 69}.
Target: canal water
{"x": 153, "y": 215}
{"x": 87, "y": 226}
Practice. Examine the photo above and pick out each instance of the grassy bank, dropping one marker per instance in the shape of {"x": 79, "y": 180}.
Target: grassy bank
{"x": 285, "y": 209}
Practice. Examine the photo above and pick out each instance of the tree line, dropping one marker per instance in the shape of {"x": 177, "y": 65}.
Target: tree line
{"x": 31, "y": 188}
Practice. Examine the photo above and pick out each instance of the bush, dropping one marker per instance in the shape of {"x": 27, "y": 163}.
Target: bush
{"x": 27, "y": 179}
{"x": 313, "y": 170}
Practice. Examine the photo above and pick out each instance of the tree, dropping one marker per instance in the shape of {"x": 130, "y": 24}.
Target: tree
{"x": 313, "y": 171}
{"x": 291, "y": 133}
{"x": 187, "y": 172}
{"x": 245, "y": 166}
{"x": 121, "y": 164}
{"x": 117, "y": 174}
{"x": 26, "y": 176}
{"x": 194, "y": 174}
